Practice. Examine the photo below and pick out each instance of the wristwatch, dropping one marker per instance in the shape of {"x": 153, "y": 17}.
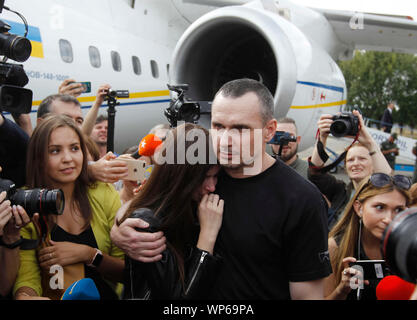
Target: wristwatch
{"x": 98, "y": 257}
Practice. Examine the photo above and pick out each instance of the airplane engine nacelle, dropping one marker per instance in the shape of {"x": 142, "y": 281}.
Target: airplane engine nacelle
{"x": 243, "y": 41}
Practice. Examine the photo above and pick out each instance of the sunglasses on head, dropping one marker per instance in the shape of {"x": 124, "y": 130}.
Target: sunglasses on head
{"x": 380, "y": 180}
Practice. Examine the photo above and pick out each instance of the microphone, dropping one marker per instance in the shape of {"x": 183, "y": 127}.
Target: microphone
{"x": 147, "y": 146}
{"x": 394, "y": 288}
{"x": 84, "y": 289}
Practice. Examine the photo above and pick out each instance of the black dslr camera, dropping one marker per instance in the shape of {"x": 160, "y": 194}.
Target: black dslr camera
{"x": 13, "y": 98}
{"x": 181, "y": 109}
{"x": 345, "y": 124}
{"x": 42, "y": 201}
{"x": 282, "y": 138}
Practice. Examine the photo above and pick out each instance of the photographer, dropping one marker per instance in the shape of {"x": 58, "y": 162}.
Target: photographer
{"x": 362, "y": 159}
{"x": 99, "y": 134}
{"x": 12, "y": 218}
{"x": 77, "y": 238}
{"x": 13, "y": 145}
{"x": 289, "y": 151}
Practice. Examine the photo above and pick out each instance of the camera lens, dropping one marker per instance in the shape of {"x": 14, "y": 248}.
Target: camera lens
{"x": 15, "y": 47}
{"x": 399, "y": 245}
{"x": 40, "y": 200}
{"x": 340, "y": 128}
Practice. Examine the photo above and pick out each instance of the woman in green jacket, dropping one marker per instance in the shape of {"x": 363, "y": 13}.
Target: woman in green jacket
{"x": 79, "y": 238}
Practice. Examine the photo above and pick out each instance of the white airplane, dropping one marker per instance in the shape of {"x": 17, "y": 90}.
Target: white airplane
{"x": 142, "y": 45}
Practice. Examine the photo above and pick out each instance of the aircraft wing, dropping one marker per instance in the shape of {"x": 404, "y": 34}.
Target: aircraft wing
{"x": 373, "y": 31}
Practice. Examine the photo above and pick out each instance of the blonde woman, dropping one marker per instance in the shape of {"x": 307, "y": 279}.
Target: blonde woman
{"x": 358, "y": 234}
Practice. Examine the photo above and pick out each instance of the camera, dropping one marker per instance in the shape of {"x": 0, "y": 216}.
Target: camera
{"x": 181, "y": 109}
{"x": 13, "y": 97}
{"x": 42, "y": 201}
{"x": 399, "y": 245}
{"x": 282, "y": 138}
{"x": 345, "y": 124}
{"x": 111, "y": 94}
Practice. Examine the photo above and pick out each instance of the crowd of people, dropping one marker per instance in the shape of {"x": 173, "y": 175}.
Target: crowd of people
{"x": 194, "y": 229}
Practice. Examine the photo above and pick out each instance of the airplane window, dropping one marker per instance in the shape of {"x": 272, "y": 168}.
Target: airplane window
{"x": 168, "y": 69}
{"x": 95, "y": 59}
{"x": 136, "y": 65}
{"x": 65, "y": 48}
{"x": 116, "y": 61}
{"x": 155, "y": 69}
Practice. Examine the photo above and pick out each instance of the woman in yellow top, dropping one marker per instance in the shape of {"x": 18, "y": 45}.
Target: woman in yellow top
{"x": 57, "y": 159}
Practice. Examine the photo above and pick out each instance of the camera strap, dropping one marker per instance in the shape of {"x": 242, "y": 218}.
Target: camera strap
{"x": 324, "y": 156}
{"x": 42, "y": 230}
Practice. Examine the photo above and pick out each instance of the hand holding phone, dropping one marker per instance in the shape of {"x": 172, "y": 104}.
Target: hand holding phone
{"x": 137, "y": 169}
{"x": 371, "y": 269}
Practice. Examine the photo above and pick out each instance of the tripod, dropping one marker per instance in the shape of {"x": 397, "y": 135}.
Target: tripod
{"x": 111, "y": 114}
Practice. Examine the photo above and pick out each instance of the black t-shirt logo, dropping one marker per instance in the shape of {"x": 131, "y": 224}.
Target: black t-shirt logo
{"x": 324, "y": 256}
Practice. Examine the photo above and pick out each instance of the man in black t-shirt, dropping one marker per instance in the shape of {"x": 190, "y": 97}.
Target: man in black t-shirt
{"x": 273, "y": 238}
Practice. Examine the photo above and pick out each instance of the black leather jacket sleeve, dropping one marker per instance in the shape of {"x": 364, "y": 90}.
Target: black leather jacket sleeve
{"x": 160, "y": 280}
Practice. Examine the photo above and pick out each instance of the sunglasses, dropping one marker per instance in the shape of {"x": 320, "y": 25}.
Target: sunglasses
{"x": 380, "y": 180}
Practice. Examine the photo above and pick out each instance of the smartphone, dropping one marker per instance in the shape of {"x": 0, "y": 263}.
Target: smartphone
{"x": 86, "y": 86}
{"x": 136, "y": 169}
{"x": 372, "y": 269}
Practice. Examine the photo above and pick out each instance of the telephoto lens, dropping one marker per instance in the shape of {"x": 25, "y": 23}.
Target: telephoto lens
{"x": 399, "y": 245}
{"x": 42, "y": 201}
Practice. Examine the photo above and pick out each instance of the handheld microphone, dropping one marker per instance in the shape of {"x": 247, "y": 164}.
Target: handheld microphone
{"x": 84, "y": 289}
{"x": 147, "y": 146}
{"x": 394, "y": 288}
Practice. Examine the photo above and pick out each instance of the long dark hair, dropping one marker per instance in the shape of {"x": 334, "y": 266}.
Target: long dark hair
{"x": 168, "y": 192}
{"x": 37, "y": 156}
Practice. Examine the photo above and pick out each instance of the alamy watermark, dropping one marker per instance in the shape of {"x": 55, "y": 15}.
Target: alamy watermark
{"x": 356, "y": 22}
{"x": 234, "y": 148}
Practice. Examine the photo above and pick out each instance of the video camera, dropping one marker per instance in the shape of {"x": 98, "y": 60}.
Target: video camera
{"x": 345, "y": 124}
{"x": 282, "y": 138}
{"x": 399, "y": 245}
{"x": 42, "y": 201}
{"x": 181, "y": 109}
{"x": 13, "y": 98}
{"x": 111, "y": 94}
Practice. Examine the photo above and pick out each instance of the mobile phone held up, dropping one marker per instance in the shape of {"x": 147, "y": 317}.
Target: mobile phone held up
{"x": 137, "y": 169}
{"x": 86, "y": 86}
{"x": 371, "y": 269}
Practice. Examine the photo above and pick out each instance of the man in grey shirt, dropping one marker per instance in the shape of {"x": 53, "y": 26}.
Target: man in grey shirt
{"x": 289, "y": 152}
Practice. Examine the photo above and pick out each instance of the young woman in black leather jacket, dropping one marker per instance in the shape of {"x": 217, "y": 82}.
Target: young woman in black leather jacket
{"x": 178, "y": 200}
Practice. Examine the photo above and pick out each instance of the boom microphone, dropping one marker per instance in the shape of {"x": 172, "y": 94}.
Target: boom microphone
{"x": 84, "y": 289}
{"x": 394, "y": 288}
{"x": 147, "y": 146}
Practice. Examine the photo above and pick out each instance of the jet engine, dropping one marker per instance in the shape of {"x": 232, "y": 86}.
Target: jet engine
{"x": 249, "y": 42}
